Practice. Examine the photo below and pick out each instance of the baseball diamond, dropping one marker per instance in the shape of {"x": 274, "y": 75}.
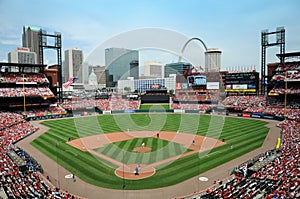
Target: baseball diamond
{"x": 90, "y": 156}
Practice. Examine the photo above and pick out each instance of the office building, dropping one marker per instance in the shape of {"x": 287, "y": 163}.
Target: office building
{"x": 213, "y": 60}
{"x": 178, "y": 68}
{"x": 31, "y": 40}
{"x": 73, "y": 65}
{"x": 153, "y": 69}
{"x": 120, "y": 64}
{"x": 23, "y": 56}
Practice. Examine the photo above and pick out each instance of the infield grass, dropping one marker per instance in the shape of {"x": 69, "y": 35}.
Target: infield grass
{"x": 244, "y": 134}
{"x": 160, "y": 150}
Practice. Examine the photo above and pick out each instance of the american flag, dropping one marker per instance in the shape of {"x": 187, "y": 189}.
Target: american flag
{"x": 70, "y": 81}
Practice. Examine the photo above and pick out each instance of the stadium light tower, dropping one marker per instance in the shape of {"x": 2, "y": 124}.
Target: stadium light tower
{"x": 43, "y": 44}
{"x": 280, "y": 41}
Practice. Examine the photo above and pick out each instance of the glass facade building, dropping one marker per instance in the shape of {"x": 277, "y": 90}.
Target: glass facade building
{"x": 177, "y": 68}
{"x": 120, "y": 64}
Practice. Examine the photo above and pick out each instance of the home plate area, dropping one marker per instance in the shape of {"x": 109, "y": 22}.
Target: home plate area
{"x": 137, "y": 171}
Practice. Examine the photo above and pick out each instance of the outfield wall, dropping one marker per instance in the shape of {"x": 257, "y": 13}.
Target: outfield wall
{"x": 96, "y": 110}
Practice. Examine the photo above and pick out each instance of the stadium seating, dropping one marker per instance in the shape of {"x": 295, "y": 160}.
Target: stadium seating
{"x": 28, "y": 77}
{"x": 116, "y": 102}
{"x": 18, "y": 182}
{"x": 273, "y": 174}
{"x": 277, "y": 175}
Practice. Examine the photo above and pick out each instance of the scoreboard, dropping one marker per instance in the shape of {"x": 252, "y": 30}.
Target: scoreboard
{"x": 197, "y": 80}
{"x": 242, "y": 82}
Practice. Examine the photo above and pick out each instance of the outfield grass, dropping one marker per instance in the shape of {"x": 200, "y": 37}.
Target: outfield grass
{"x": 154, "y": 107}
{"x": 244, "y": 134}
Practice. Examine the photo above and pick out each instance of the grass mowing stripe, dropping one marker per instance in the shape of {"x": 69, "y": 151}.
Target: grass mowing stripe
{"x": 128, "y": 151}
{"x": 104, "y": 150}
{"x": 134, "y": 143}
{"x": 234, "y": 129}
{"x": 60, "y": 157}
{"x": 238, "y": 136}
{"x": 113, "y": 152}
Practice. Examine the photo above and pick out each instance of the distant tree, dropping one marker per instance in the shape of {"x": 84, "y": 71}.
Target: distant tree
{"x": 127, "y": 89}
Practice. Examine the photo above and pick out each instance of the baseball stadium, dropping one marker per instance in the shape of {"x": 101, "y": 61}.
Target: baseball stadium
{"x": 218, "y": 134}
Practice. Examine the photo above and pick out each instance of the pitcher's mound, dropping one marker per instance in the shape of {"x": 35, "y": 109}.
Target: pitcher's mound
{"x": 128, "y": 171}
{"x": 141, "y": 149}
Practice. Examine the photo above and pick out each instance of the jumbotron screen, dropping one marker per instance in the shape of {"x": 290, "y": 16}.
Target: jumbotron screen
{"x": 196, "y": 80}
{"x": 242, "y": 82}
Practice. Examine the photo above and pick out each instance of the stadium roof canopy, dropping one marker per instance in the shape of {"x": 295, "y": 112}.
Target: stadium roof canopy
{"x": 22, "y": 65}
{"x": 289, "y": 55}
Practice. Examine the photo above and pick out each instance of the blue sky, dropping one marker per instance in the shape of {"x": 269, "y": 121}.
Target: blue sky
{"x": 233, "y": 26}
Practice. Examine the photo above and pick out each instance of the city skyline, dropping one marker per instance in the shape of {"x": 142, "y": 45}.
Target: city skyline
{"x": 233, "y": 27}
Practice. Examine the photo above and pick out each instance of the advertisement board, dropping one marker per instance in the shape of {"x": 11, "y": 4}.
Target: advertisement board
{"x": 212, "y": 85}
{"x": 155, "y": 86}
{"x": 179, "y": 111}
{"x": 239, "y": 86}
{"x": 178, "y": 86}
{"x": 184, "y": 86}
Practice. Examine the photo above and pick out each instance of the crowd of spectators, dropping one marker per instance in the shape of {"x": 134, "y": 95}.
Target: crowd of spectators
{"x": 288, "y": 66}
{"x": 45, "y": 92}
{"x": 274, "y": 174}
{"x": 53, "y": 109}
{"x": 264, "y": 105}
{"x": 18, "y": 77}
{"x": 292, "y": 103}
{"x": 243, "y": 102}
{"x": 17, "y": 182}
{"x": 27, "y": 91}
{"x": 282, "y": 91}
{"x": 8, "y": 119}
{"x": 115, "y": 102}
{"x": 186, "y": 106}
{"x": 81, "y": 104}
{"x": 288, "y": 71}
{"x": 118, "y": 103}
{"x": 200, "y": 100}
{"x": 277, "y": 177}
{"x": 255, "y": 104}
{"x": 288, "y": 76}
{"x": 284, "y": 170}
{"x": 197, "y": 95}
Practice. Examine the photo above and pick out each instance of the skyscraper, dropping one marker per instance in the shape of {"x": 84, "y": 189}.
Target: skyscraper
{"x": 73, "y": 65}
{"x": 31, "y": 40}
{"x": 213, "y": 60}
{"x": 120, "y": 63}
